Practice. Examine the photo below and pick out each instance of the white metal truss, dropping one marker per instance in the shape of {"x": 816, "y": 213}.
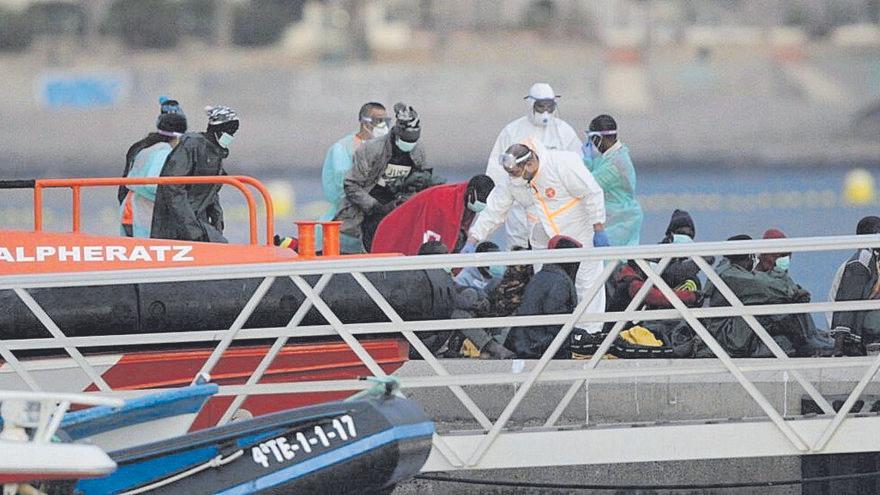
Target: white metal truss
{"x": 491, "y": 445}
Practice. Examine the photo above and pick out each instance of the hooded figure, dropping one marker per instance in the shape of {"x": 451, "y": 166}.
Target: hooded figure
{"x": 608, "y": 160}
{"x": 137, "y": 208}
{"x": 385, "y": 172}
{"x": 193, "y": 212}
{"x": 443, "y": 213}
{"x": 551, "y": 291}
{"x": 557, "y": 191}
{"x": 540, "y": 123}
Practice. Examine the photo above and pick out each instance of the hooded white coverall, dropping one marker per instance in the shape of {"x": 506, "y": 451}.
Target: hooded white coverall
{"x": 563, "y": 198}
{"x": 556, "y": 135}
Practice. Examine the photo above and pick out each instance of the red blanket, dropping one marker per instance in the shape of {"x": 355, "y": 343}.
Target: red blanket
{"x": 433, "y": 214}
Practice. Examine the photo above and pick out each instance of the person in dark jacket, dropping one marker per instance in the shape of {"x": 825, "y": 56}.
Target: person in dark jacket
{"x": 858, "y": 280}
{"x": 507, "y": 296}
{"x": 551, "y": 291}
{"x": 473, "y": 285}
{"x": 193, "y": 212}
{"x": 753, "y": 288}
{"x": 166, "y": 106}
{"x": 386, "y": 171}
{"x": 682, "y": 274}
{"x": 777, "y": 266}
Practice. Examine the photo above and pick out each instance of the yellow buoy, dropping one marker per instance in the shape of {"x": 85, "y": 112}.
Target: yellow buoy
{"x": 283, "y": 198}
{"x": 858, "y": 187}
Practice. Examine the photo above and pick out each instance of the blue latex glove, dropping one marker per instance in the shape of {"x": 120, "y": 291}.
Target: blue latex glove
{"x": 468, "y": 248}
{"x": 600, "y": 239}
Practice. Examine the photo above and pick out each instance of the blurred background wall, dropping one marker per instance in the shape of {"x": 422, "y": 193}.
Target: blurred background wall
{"x": 750, "y": 114}
{"x": 733, "y": 82}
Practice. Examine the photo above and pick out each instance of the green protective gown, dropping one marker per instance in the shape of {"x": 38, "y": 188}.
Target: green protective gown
{"x": 616, "y": 175}
{"x": 147, "y": 163}
{"x": 337, "y": 163}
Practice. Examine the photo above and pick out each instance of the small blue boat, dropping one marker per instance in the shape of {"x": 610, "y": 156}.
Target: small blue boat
{"x": 360, "y": 446}
{"x": 141, "y": 420}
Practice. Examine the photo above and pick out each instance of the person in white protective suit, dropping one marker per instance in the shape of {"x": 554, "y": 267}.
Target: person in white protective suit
{"x": 540, "y": 123}
{"x": 557, "y": 190}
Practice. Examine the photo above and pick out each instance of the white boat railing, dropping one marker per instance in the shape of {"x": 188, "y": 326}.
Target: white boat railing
{"x": 471, "y": 452}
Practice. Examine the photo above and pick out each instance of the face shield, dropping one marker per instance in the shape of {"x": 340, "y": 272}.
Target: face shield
{"x": 516, "y": 167}
{"x": 594, "y": 139}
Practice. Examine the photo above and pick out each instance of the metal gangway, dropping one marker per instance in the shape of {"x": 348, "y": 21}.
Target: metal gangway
{"x": 493, "y": 440}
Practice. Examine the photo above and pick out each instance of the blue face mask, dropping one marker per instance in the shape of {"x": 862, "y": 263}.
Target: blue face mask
{"x": 783, "y": 263}
{"x": 404, "y": 146}
{"x": 225, "y": 140}
{"x": 497, "y": 271}
{"x": 476, "y": 206}
{"x": 681, "y": 239}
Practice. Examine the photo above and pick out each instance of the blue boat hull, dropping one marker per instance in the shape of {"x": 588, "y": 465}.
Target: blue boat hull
{"x": 363, "y": 446}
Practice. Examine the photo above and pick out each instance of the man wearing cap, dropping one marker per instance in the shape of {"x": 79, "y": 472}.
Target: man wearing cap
{"x": 557, "y": 190}
{"x": 166, "y": 106}
{"x": 137, "y": 208}
{"x": 776, "y": 265}
{"x": 385, "y": 172}
{"x": 540, "y": 123}
{"x": 193, "y": 212}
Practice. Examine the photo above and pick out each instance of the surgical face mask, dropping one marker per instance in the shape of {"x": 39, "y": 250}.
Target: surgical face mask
{"x": 543, "y": 118}
{"x": 405, "y": 146}
{"x": 497, "y": 271}
{"x": 225, "y": 140}
{"x": 518, "y": 181}
{"x": 681, "y": 239}
{"x": 379, "y": 131}
{"x": 476, "y": 206}
{"x": 783, "y": 262}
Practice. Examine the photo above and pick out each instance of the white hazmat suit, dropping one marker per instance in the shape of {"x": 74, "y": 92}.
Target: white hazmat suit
{"x": 563, "y": 198}
{"x": 555, "y": 134}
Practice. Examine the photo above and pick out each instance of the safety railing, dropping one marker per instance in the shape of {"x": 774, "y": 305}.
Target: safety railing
{"x": 77, "y": 184}
{"x": 484, "y": 447}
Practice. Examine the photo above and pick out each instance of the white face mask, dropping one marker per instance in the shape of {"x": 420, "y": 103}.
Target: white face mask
{"x": 405, "y": 146}
{"x": 542, "y": 119}
{"x": 225, "y": 140}
{"x": 378, "y": 132}
{"x": 518, "y": 181}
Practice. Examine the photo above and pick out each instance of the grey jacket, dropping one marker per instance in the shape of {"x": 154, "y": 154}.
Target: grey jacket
{"x": 369, "y": 162}
{"x": 191, "y": 212}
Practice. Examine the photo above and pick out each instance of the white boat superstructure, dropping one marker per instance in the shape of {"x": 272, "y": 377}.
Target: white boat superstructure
{"x": 27, "y": 451}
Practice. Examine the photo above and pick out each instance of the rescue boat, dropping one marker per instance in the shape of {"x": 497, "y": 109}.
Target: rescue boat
{"x": 153, "y": 309}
